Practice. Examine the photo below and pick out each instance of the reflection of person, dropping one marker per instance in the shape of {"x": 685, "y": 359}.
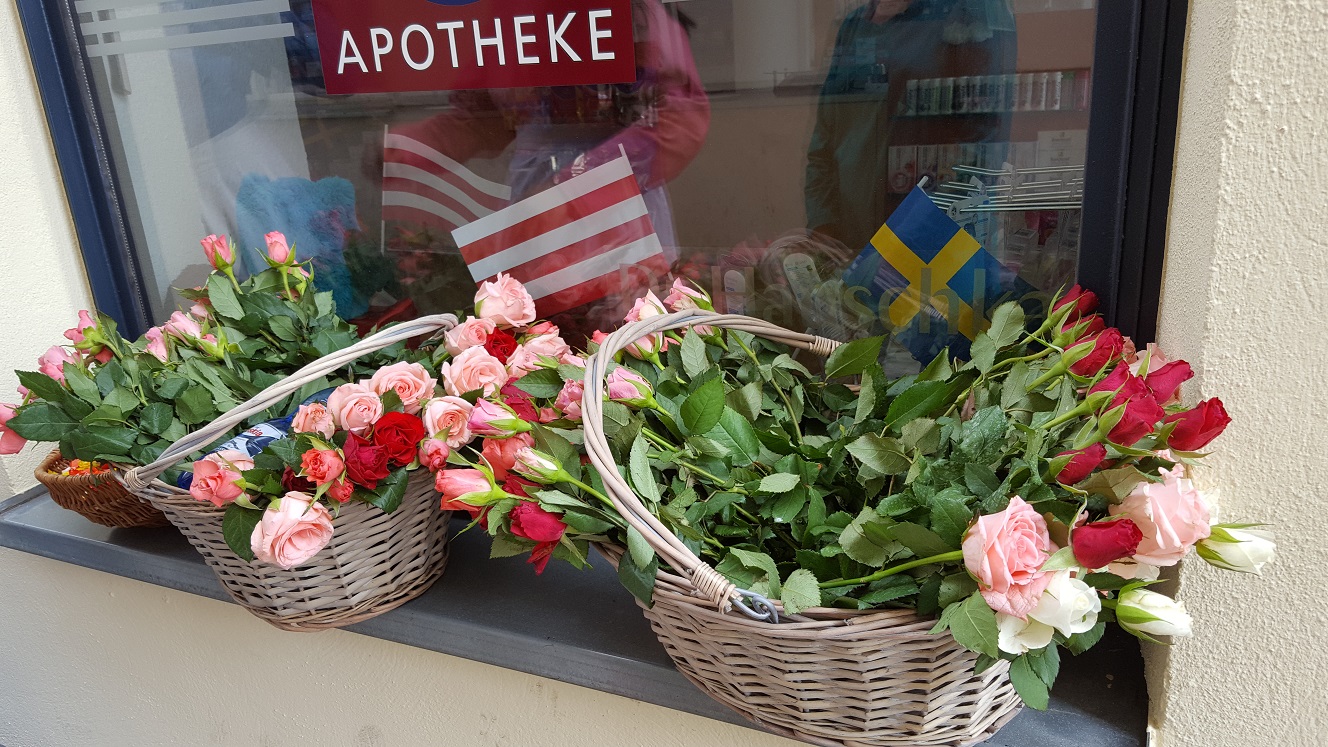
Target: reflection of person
{"x": 660, "y": 121}
{"x": 879, "y": 48}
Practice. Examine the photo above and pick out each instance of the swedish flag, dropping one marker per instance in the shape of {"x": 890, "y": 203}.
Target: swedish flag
{"x": 931, "y": 282}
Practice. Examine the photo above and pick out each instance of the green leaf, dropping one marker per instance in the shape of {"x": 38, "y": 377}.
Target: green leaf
{"x": 172, "y": 386}
{"x": 237, "y": 526}
{"x": 284, "y": 328}
{"x": 889, "y": 589}
{"x": 983, "y": 441}
{"x": 1015, "y": 386}
{"x": 980, "y": 480}
{"x": 1081, "y": 642}
{"x": 800, "y": 591}
{"x": 852, "y": 358}
{"x": 984, "y": 663}
{"x": 955, "y": 587}
{"x": 780, "y": 482}
{"x": 872, "y": 548}
{"x": 1106, "y": 581}
{"x": 983, "y": 352}
{"x": 391, "y": 489}
{"x": 973, "y": 625}
{"x": 542, "y": 382}
{"x": 703, "y": 408}
{"x": 1030, "y": 687}
{"x": 287, "y": 450}
{"x": 866, "y": 398}
{"x": 950, "y": 516}
{"x": 922, "y": 541}
{"x": 122, "y": 399}
{"x": 694, "y": 359}
{"x": 746, "y": 400}
{"x": 939, "y": 369}
{"x": 761, "y": 562}
{"x": 1007, "y": 324}
{"x": 639, "y": 581}
{"x": 156, "y": 417}
{"x": 883, "y": 454}
{"x": 41, "y": 421}
{"x": 585, "y": 524}
{"x": 103, "y": 442}
{"x": 789, "y": 505}
{"x": 1061, "y": 560}
{"x": 638, "y": 469}
{"x": 639, "y": 548}
{"x": 82, "y": 385}
{"x": 922, "y": 399}
{"x": 222, "y": 295}
{"x": 736, "y": 434}
{"x": 922, "y": 434}
{"x": 49, "y": 389}
{"x": 194, "y": 406}
{"x": 505, "y": 547}
{"x": 1045, "y": 663}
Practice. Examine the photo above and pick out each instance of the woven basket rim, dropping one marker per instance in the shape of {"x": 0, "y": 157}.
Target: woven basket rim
{"x": 44, "y": 474}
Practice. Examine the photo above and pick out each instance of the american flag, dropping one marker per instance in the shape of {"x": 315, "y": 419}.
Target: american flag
{"x": 574, "y": 243}
{"x": 424, "y": 186}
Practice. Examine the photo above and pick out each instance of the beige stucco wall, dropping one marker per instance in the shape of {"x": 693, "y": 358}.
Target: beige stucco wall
{"x": 1245, "y": 299}
{"x": 90, "y": 658}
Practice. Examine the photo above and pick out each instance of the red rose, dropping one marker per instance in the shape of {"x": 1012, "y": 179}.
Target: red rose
{"x": 1093, "y": 326}
{"x": 341, "y": 490}
{"x": 366, "y": 464}
{"x": 1081, "y": 464}
{"x": 1141, "y": 411}
{"x": 1166, "y": 381}
{"x": 500, "y": 344}
{"x": 520, "y": 403}
{"x": 1102, "y": 542}
{"x": 1196, "y": 428}
{"x": 539, "y": 557}
{"x": 534, "y": 523}
{"x": 514, "y": 485}
{"x": 1085, "y": 302}
{"x": 291, "y": 482}
{"x": 1107, "y": 349}
{"x": 399, "y": 434}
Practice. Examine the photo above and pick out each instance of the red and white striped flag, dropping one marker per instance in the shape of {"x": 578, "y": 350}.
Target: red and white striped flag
{"x": 424, "y": 186}
{"x": 576, "y": 242}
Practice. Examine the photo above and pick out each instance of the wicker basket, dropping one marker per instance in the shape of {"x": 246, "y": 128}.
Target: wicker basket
{"x": 97, "y": 498}
{"x": 825, "y": 676}
{"x": 375, "y": 562}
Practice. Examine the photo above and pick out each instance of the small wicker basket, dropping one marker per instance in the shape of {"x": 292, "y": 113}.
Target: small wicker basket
{"x": 826, "y": 676}
{"x": 375, "y": 562}
{"x": 97, "y": 498}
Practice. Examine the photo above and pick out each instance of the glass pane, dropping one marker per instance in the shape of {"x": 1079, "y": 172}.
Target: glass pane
{"x": 770, "y": 140}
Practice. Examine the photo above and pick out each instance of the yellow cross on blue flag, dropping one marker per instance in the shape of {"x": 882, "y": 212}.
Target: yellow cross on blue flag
{"x": 929, "y": 281}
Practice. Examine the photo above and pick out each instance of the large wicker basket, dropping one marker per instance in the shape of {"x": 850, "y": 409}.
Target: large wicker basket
{"x": 825, "y": 676}
{"x": 375, "y": 562}
{"x": 98, "y": 498}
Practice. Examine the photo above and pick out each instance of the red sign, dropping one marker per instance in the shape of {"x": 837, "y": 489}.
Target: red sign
{"x": 378, "y": 46}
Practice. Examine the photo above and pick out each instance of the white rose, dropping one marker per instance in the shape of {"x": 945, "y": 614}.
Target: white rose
{"x": 1129, "y": 569}
{"x": 1068, "y": 605}
{"x": 1016, "y": 636}
{"x": 1238, "y": 549}
{"x": 1146, "y": 613}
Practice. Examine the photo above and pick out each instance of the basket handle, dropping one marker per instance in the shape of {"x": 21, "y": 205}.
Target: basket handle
{"x": 707, "y": 581}
{"x": 138, "y": 478}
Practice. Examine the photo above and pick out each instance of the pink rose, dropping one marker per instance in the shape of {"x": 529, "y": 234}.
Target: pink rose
{"x": 1172, "y": 515}
{"x": 472, "y": 333}
{"x": 543, "y": 328}
{"x": 505, "y": 301}
{"x": 500, "y": 453}
{"x": 10, "y": 442}
{"x": 683, "y": 296}
{"x": 448, "y": 418}
{"x": 218, "y": 251}
{"x": 471, "y": 370}
{"x": 292, "y": 530}
{"x": 548, "y": 415}
{"x": 313, "y": 418}
{"x": 410, "y": 381}
{"x": 629, "y": 387}
{"x": 183, "y": 326}
{"x": 216, "y": 475}
{"x": 78, "y": 332}
{"x": 157, "y": 344}
{"x": 469, "y": 486}
{"x": 277, "y": 249}
{"x": 532, "y": 353}
{"x": 321, "y": 465}
{"x": 572, "y": 359}
{"x": 1155, "y": 359}
{"x": 52, "y": 363}
{"x": 495, "y": 420}
{"x": 569, "y": 399}
{"x": 354, "y": 407}
{"x": 198, "y": 310}
{"x": 1005, "y": 552}
{"x": 434, "y": 453}
{"x": 645, "y": 307}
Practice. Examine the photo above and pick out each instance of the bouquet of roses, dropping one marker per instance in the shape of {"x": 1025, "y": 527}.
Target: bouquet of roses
{"x": 105, "y": 398}
{"x": 1028, "y": 496}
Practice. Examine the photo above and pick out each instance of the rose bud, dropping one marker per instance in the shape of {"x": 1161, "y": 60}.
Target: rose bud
{"x": 183, "y": 327}
{"x": 1076, "y": 331}
{"x": 218, "y": 476}
{"x": 530, "y": 521}
{"x": 630, "y": 388}
{"x": 10, "y": 442}
{"x": 1101, "y": 543}
{"x": 494, "y": 420}
{"x": 1196, "y": 428}
{"x": 1084, "y": 301}
{"x": 1236, "y": 548}
{"x": 277, "y": 249}
{"x": 52, "y": 363}
{"x": 219, "y": 252}
{"x": 1165, "y": 381}
{"x": 1146, "y": 613}
{"x": 1082, "y": 463}
{"x": 1107, "y": 349}
{"x": 434, "y": 453}
{"x": 157, "y": 344}
{"x": 538, "y": 467}
{"x": 470, "y": 487}
{"x": 646, "y": 307}
{"x": 321, "y": 466}
{"x": 1140, "y": 411}
{"x": 341, "y": 490}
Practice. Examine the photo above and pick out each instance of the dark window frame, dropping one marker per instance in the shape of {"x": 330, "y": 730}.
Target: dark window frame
{"x": 1132, "y": 130}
